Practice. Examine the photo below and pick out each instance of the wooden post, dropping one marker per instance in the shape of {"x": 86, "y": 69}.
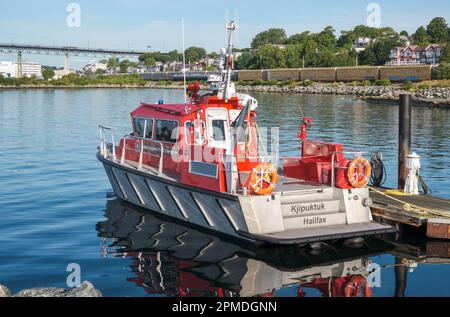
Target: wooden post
{"x": 400, "y": 278}
{"x": 404, "y": 138}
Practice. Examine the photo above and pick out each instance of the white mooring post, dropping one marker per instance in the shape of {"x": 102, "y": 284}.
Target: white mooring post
{"x": 413, "y": 166}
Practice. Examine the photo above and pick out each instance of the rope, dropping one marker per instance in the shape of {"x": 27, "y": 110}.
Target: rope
{"x": 426, "y": 212}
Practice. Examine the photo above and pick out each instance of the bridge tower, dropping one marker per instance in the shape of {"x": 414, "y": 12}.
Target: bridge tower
{"x": 66, "y": 62}
{"x": 19, "y": 64}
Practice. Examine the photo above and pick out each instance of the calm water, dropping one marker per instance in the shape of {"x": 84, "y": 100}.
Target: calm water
{"x": 57, "y": 207}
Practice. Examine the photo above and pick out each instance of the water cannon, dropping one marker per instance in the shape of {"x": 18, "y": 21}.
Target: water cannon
{"x": 306, "y": 124}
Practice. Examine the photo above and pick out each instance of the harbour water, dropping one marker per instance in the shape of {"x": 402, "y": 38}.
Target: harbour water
{"x": 57, "y": 206}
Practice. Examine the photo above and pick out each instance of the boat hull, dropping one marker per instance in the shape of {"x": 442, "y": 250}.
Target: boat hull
{"x": 221, "y": 213}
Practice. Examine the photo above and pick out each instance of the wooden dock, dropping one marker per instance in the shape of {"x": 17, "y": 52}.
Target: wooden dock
{"x": 418, "y": 211}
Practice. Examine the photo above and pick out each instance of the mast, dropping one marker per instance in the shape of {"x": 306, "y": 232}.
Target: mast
{"x": 228, "y": 89}
{"x": 184, "y": 62}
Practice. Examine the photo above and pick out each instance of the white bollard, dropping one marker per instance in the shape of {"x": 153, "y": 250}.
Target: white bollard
{"x": 413, "y": 167}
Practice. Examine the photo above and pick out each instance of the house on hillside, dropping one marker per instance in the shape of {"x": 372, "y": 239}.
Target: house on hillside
{"x": 415, "y": 55}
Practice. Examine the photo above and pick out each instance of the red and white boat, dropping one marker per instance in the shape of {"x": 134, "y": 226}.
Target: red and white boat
{"x": 200, "y": 162}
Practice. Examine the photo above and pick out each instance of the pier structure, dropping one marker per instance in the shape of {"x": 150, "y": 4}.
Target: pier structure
{"x": 20, "y": 49}
{"x": 419, "y": 211}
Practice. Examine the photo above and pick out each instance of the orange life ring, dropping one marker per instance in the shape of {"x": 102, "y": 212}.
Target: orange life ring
{"x": 359, "y": 172}
{"x": 358, "y": 286}
{"x": 263, "y": 179}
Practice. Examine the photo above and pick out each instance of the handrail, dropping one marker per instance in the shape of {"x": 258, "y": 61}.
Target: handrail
{"x": 141, "y": 152}
{"x": 356, "y": 153}
{"x": 103, "y": 147}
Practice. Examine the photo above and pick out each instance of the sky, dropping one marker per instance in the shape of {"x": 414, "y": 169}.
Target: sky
{"x": 137, "y": 24}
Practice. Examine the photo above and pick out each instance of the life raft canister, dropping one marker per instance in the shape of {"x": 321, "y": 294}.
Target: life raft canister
{"x": 359, "y": 172}
{"x": 263, "y": 179}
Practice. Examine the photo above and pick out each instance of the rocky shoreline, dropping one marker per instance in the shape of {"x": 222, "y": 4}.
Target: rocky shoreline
{"x": 86, "y": 289}
{"x": 433, "y": 97}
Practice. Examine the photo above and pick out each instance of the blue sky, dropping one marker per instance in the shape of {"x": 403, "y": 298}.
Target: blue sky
{"x": 135, "y": 24}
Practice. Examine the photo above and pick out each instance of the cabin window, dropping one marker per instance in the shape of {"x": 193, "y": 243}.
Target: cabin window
{"x": 198, "y": 134}
{"x": 218, "y": 127}
{"x": 139, "y": 125}
{"x": 166, "y": 131}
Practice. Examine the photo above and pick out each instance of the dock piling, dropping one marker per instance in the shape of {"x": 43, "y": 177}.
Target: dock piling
{"x": 404, "y": 142}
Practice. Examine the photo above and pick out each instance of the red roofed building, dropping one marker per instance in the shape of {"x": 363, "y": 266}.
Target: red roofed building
{"x": 415, "y": 55}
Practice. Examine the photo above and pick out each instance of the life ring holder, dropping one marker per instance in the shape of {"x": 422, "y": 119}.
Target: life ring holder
{"x": 263, "y": 179}
{"x": 359, "y": 172}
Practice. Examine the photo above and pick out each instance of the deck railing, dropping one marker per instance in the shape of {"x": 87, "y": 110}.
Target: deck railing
{"x": 108, "y": 149}
{"x": 333, "y": 162}
{"x": 103, "y": 146}
{"x": 141, "y": 152}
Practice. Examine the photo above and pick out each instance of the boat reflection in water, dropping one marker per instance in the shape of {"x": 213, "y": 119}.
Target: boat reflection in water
{"x": 170, "y": 259}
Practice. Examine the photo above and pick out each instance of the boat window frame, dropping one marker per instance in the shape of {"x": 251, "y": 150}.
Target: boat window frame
{"x": 148, "y": 119}
{"x": 187, "y": 133}
{"x": 177, "y": 129}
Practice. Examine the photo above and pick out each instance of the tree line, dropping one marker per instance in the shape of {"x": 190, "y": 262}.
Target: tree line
{"x": 274, "y": 49}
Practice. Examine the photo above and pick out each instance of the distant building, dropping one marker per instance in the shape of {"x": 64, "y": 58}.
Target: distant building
{"x": 11, "y": 69}
{"x": 59, "y": 73}
{"x": 415, "y": 55}
{"x": 361, "y": 43}
{"x": 94, "y": 67}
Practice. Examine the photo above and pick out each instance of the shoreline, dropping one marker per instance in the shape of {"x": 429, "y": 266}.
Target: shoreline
{"x": 433, "y": 97}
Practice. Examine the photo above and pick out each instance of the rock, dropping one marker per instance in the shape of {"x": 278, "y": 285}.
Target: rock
{"x": 86, "y": 289}
{"x": 42, "y": 292}
{"x": 4, "y": 291}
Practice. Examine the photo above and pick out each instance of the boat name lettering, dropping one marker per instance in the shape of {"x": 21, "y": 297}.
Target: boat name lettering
{"x": 303, "y": 208}
{"x": 314, "y": 221}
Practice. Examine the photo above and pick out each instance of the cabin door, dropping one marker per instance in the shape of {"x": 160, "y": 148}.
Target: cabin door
{"x": 218, "y": 128}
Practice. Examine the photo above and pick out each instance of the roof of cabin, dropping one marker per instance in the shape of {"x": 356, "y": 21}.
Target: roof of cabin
{"x": 164, "y": 110}
{"x": 175, "y": 111}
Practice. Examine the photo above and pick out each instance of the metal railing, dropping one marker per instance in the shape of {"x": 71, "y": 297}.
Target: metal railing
{"x": 333, "y": 162}
{"x": 141, "y": 152}
{"x": 103, "y": 147}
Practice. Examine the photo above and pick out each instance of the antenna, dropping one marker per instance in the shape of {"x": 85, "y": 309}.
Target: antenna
{"x": 236, "y": 20}
{"x": 229, "y": 58}
{"x": 184, "y": 62}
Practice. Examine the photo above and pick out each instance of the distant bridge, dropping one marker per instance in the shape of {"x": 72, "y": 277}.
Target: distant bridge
{"x": 66, "y": 51}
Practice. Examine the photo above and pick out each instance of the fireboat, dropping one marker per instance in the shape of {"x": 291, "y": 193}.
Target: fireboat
{"x": 203, "y": 162}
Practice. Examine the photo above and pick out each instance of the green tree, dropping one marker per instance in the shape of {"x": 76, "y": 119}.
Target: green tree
{"x": 271, "y": 36}
{"x": 326, "y": 40}
{"x": 300, "y": 38}
{"x": 113, "y": 62}
{"x": 443, "y": 71}
{"x": 293, "y": 56}
{"x": 271, "y": 57}
{"x": 245, "y": 61}
{"x": 445, "y": 54}
{"x": 194, "y": 54}
{"x": 404, "y": 33}
{"x": 48, "y": 73}
{"x": 438, "y": 30}
{"x": 124, "y": 64}
{"x": 149, "y": 62}
{"x": 421, "y": 37}
{"x": 367, "y": 57}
